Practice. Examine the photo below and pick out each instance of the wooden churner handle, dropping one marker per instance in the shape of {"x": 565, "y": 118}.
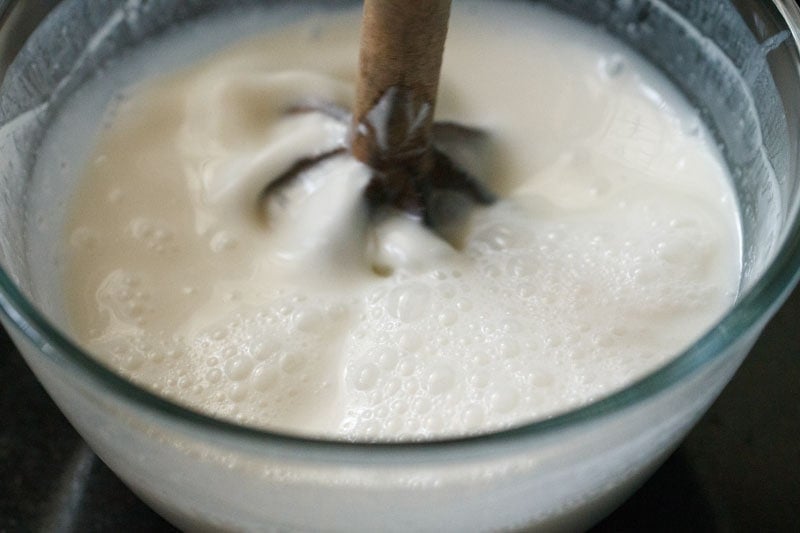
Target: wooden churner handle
{"x": 402, "y": 43}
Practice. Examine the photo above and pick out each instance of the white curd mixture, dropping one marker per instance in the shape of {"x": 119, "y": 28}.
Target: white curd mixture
{"x": 613, "y": 246}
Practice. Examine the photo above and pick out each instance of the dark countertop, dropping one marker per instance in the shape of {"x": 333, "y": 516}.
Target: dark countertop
{"x": 738, "y": 470}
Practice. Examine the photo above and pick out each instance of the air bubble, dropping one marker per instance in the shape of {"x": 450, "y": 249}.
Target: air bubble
{"x": 265, "y": 350}
{"x": 480, "y": 358}
{"x": 391, "y": 387}
{"x": 184, "y": 382}
{"x": 408, "y": 303}
{"x": 406, "y": 367}
{"x": 554, "y": 341}
{"x": 264, "y": 377}
{"x": 175, "y": 352}
{"x": 433, "y": 423}
{"x": 393, "y": 426}
{"x": 479, "y": 381}
{"x": 410, "y": 386}
{"x": 421, "y": 405}
{"x": 237, "y": 392}
{"x": 492, "y": 271}
{"x": 447, "y": 318}
{"x": 447, "y": 291}
{"x": 509, "y": 348}
{"x": 473, "y": 417}
{"x": 520, "y": 267}
{"x": 441, "y": 380}
{"x": 503, "y": 401}
{"x": 463, "y": 305}
{"x": 214, "y": 375}
{"x": 336, "y": 312}
{"x": 238, "y": 368}
{"x": 388, "y": 359}
{"x": 512, "y": 327}
{"x": 230, "y": 351}
{"x": 410, "y": 341}
{"x": 308, "y": 320}
{"x": 366, "y": 377}
{"x": 132, "y": 361}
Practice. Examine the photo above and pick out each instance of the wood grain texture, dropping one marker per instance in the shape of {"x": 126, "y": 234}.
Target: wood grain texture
{"x": 402, "y": 43}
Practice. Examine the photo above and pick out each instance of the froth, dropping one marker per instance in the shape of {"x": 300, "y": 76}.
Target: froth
{"x": 615, "y": 244}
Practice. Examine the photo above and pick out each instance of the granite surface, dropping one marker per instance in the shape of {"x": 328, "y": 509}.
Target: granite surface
{"x": 738, "y": 470}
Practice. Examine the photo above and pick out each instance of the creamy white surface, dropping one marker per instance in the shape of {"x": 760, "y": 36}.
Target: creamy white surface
{"x": 614, "y": 246}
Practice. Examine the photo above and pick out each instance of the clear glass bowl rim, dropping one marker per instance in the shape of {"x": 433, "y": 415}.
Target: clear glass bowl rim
{"x": 750, "y": 311}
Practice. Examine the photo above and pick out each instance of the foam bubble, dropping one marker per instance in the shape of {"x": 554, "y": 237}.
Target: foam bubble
{"x": 447, "y": 317}
{"x": 238, "y": 368}
{"x": 503, "y": 399}
{"x": 441, "y": 379}
{"x": 388, "y": 359}
{"x": 518, "y": 324}
{"x": 237, "y": 392}
{"x": 409, "y": 302}
{"x": 214, "y": 375}
{"x": 308, "y": 320}
{"x": 365, "y": 377}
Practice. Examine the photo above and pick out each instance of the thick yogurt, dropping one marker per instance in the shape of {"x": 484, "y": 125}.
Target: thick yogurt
{"x": 615, "y": 243}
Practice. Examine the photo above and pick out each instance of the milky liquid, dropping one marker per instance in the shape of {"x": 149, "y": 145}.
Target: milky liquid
{"x": 615, "y": 243}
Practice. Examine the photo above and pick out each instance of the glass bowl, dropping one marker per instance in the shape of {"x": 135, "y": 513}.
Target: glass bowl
{"x": 736, "y": 61}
